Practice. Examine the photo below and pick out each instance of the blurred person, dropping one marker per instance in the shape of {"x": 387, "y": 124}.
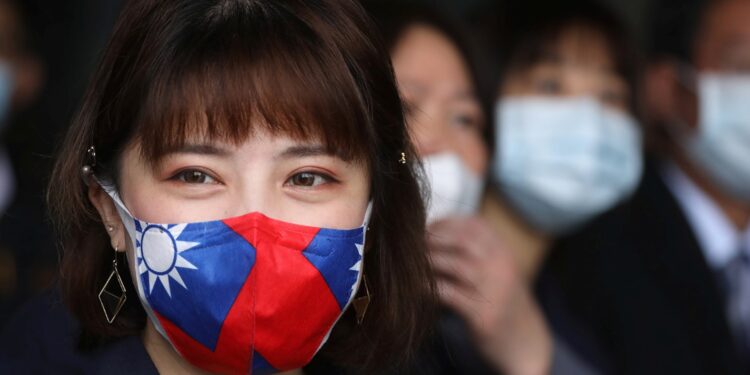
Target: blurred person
{"x": 20, "y": 79}
{"x": 274, "y": 133}
{"x": 568, "y": 142}
{"x": 568, "y": 138}
{"x": 663, "y": 282}
{"x": 19, "y": 82}
{"x": 477, "y": 275}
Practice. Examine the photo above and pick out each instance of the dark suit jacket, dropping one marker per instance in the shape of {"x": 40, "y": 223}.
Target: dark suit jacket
{"x": 633, "y": 293}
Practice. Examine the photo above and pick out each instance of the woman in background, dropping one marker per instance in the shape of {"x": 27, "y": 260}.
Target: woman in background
{"x": 569, "y": 144}
{"x": 568, "y": 139}
{"x": 478, "y": 278}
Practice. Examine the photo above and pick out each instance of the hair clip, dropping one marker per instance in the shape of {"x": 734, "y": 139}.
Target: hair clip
{"x": 402, "y": 160}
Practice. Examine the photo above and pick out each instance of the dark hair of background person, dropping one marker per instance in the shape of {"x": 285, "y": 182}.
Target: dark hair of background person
{"x": 298, "y": 67}
{"x": 529, "y": 30}
{"x": 674, "y": 26}
{"x": 395, "y": 17}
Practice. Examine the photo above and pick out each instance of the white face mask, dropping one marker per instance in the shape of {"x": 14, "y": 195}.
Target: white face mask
{"x": 562, "y": 161}
{"x": 454, "y": 189}
{"x": 721, "y": 145}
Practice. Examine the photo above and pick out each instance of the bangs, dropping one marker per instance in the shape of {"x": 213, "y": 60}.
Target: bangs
{"x": 226, "y": 79}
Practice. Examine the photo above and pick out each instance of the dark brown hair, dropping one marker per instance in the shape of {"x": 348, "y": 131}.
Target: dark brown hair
{"x": 220, "y": 69}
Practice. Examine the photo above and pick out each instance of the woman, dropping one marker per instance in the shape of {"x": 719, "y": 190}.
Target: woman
{"x": 239, "y": 153}
{"x": 568, "y": 139}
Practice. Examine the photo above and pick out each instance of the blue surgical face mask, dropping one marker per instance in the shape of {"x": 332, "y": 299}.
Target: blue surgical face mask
{"x": 560, "y": 162}
{"x": 6, "y": 91}
{"x": 721, "y": 144}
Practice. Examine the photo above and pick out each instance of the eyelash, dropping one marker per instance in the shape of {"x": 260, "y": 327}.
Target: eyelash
{"x": 207, "y": 178}
{"x": 182, "y": 176}
{"x": 325, "y": 177}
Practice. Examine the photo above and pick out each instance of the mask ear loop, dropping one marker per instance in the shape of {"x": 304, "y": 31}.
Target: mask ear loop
{"x": 88, "y": 174}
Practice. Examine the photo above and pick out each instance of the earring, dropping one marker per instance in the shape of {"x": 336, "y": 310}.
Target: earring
{"x": 112, "y": 295}
{"x": 403, "y": 158}
{"x": 361, "y": 303}
{"x": 110, "y": 229}
{"x": 88, "y": 168}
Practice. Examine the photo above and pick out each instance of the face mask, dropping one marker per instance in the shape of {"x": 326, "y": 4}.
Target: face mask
{"x": 6, "y": 89}
{"x": 247, "y": 294}
{"x": 721, "y": 145}
{"x": 560, "y": 162}
{"x": 454, "y": 189}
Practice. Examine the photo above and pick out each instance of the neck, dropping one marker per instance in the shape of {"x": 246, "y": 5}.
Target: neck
{"x": 527, "y": 245}
{"x": 737, "y": 211}
{"x": 165, "y": 358}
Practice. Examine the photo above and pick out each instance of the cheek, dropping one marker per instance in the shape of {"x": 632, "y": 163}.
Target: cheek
{"x": 472, "y": 150}
{"x": 343, "y": 214}
{"x": 345, "y": 211}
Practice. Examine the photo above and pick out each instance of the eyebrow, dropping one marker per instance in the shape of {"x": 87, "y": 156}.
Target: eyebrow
{"x": 202, "y": 149}
{"x": 304, "y": 151}
{"x": 465, "y": 95}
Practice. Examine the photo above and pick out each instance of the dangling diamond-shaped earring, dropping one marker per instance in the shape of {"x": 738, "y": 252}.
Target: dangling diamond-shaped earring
{"x": 360, "y": 304}
{"x": 112, "y": 295}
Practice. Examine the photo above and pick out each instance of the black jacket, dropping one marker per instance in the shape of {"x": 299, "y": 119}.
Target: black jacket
{"x": 633, "y": 293}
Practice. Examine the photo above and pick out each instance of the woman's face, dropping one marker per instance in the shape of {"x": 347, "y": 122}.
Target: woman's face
{"x": 443, "y": 114}
{"x": 579, "y": 64}
{"x": 285, "y": 179}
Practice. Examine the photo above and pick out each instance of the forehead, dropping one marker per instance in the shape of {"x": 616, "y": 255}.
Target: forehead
{"x": 582, "y": 46}
{"x": 725, "y": 34}
{"x": 425, "y": 54}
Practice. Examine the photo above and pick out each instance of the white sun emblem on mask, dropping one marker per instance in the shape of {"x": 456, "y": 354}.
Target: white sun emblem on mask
{"x": 159, "y": 255}
{"x": 357, "y": 267}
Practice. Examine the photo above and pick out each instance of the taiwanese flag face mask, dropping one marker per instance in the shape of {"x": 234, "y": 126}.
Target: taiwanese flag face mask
{"x": 244, "y": 295}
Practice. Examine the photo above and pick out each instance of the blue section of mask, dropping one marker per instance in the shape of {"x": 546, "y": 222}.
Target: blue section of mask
{"x": 223, "y": 260}
{"x": 334, "y": 253}
{"x": 261, "y": 366}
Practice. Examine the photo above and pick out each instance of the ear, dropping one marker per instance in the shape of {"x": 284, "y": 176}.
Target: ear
{"x": 110, "y": 218}
{"x": 667, "y": 99}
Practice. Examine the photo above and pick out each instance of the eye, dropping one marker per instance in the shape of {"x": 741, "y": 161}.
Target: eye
{"x": 309, "y": 179}
{"x": 548, "y": 86}
{"x": 194, "y": 176}
{"x": 464, "y": 121}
